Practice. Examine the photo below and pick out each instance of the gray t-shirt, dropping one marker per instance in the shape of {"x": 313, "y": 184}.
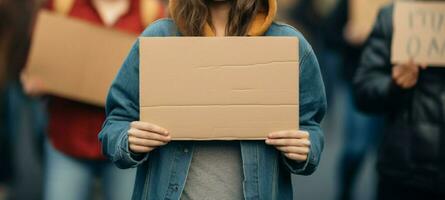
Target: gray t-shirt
{"x": 215, "y": 172}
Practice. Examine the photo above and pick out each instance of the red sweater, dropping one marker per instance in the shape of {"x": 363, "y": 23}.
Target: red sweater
{"x": 73, "y": 126}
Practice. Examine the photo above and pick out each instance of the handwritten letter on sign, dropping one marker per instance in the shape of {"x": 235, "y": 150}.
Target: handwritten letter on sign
{"x": 419, "y": 33}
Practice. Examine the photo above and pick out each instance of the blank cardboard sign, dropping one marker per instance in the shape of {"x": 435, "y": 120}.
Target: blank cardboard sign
{"x": 76, "y": 59}
{"x": 419, "y": 33}
{"x": 219, "y": 88}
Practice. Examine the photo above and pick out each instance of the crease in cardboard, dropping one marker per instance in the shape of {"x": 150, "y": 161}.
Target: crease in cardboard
{"x": 245, "y": 65}
{"x": 243, "y": 89}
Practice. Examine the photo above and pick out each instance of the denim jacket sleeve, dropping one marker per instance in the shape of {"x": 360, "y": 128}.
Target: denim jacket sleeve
{"x": 122, "y": 107}
{"x": 312, "y": 110}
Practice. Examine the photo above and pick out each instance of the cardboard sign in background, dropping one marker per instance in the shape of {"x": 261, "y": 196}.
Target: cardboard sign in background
{"x": 76, "y": 59}
{"x": 419, "y": 33}
{"x": 219, "y": 88}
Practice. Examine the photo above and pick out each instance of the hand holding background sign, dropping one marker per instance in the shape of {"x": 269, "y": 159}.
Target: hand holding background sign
{"x": 419, "y": 33}
{"x": 406, "y": 74}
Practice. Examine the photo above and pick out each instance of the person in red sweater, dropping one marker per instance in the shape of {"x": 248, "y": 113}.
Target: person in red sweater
{"x": 73, "y": 153}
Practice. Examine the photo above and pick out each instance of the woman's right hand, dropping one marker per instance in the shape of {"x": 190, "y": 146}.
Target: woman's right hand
{"x": 144, "y": 137}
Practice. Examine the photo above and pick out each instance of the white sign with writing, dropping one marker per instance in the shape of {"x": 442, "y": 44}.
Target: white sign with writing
{"x": 419, "y": 33}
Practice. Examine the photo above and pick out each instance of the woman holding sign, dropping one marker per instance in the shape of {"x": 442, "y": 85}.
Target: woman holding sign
{"x": 411, "y": 161}
{"x": 214, "y": 170}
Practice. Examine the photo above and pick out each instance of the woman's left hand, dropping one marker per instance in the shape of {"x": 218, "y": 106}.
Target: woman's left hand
{"x": 294, "y": 144}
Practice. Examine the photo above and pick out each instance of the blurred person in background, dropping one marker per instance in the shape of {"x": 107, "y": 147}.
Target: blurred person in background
{"x": 284, "y": 10}
{"x": 5, "y": 22}
{"x": 22, "y": 119}
{"x": 308, "y": 17}
{"x": 411, "y": 159}
{"x": 72, "y": 150}
{"x": 361, "y": 131}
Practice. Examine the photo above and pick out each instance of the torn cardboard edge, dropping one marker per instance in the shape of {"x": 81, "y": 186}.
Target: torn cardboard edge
{"x": 219, "y": 88}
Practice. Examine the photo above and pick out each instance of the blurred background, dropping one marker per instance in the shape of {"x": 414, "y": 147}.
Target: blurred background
{"x": 347, "y": 168}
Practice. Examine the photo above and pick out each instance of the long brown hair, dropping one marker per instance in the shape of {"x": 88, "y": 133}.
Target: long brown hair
{"x": 192, "y": 16}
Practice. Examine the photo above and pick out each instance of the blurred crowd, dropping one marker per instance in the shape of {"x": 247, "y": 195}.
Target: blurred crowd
{"x": 33, "y": 160}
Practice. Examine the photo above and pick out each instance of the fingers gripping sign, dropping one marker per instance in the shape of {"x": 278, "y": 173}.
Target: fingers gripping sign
{"x": 144, "y": 137}
{"x": 294, "y": 144}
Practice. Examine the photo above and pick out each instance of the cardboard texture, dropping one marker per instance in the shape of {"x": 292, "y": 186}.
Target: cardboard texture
{"x": 363, "y": 14}
{"x": 220, "y": 88}
{"x": 75, "y": 59}
{"x": 419, "y": 33}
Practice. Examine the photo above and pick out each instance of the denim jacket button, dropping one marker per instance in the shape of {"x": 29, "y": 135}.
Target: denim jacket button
{"x": 186, "y": 150}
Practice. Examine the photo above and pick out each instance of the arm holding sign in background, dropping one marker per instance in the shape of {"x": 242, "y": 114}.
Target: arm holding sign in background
{"x": 375, "y": 89}
{"x": 362, "y": 14}
{"x": 418, "y": 40}
{"x": 392, "y": 60}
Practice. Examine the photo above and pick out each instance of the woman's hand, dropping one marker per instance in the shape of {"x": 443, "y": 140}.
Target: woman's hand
{"x": 294, "y": 144}
{"x": 406, "y": 75}
{"x": 143, "y": 137}
{"x": 32, "y": 86}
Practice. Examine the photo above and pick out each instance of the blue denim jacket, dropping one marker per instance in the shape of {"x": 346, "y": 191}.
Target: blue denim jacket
{"x": 162, "y": 173}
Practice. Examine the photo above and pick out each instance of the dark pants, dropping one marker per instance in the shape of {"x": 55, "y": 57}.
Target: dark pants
{"x": 392, "y": 190}
{"x": 27, "y": 121}
{"x": 361, "y": 137}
